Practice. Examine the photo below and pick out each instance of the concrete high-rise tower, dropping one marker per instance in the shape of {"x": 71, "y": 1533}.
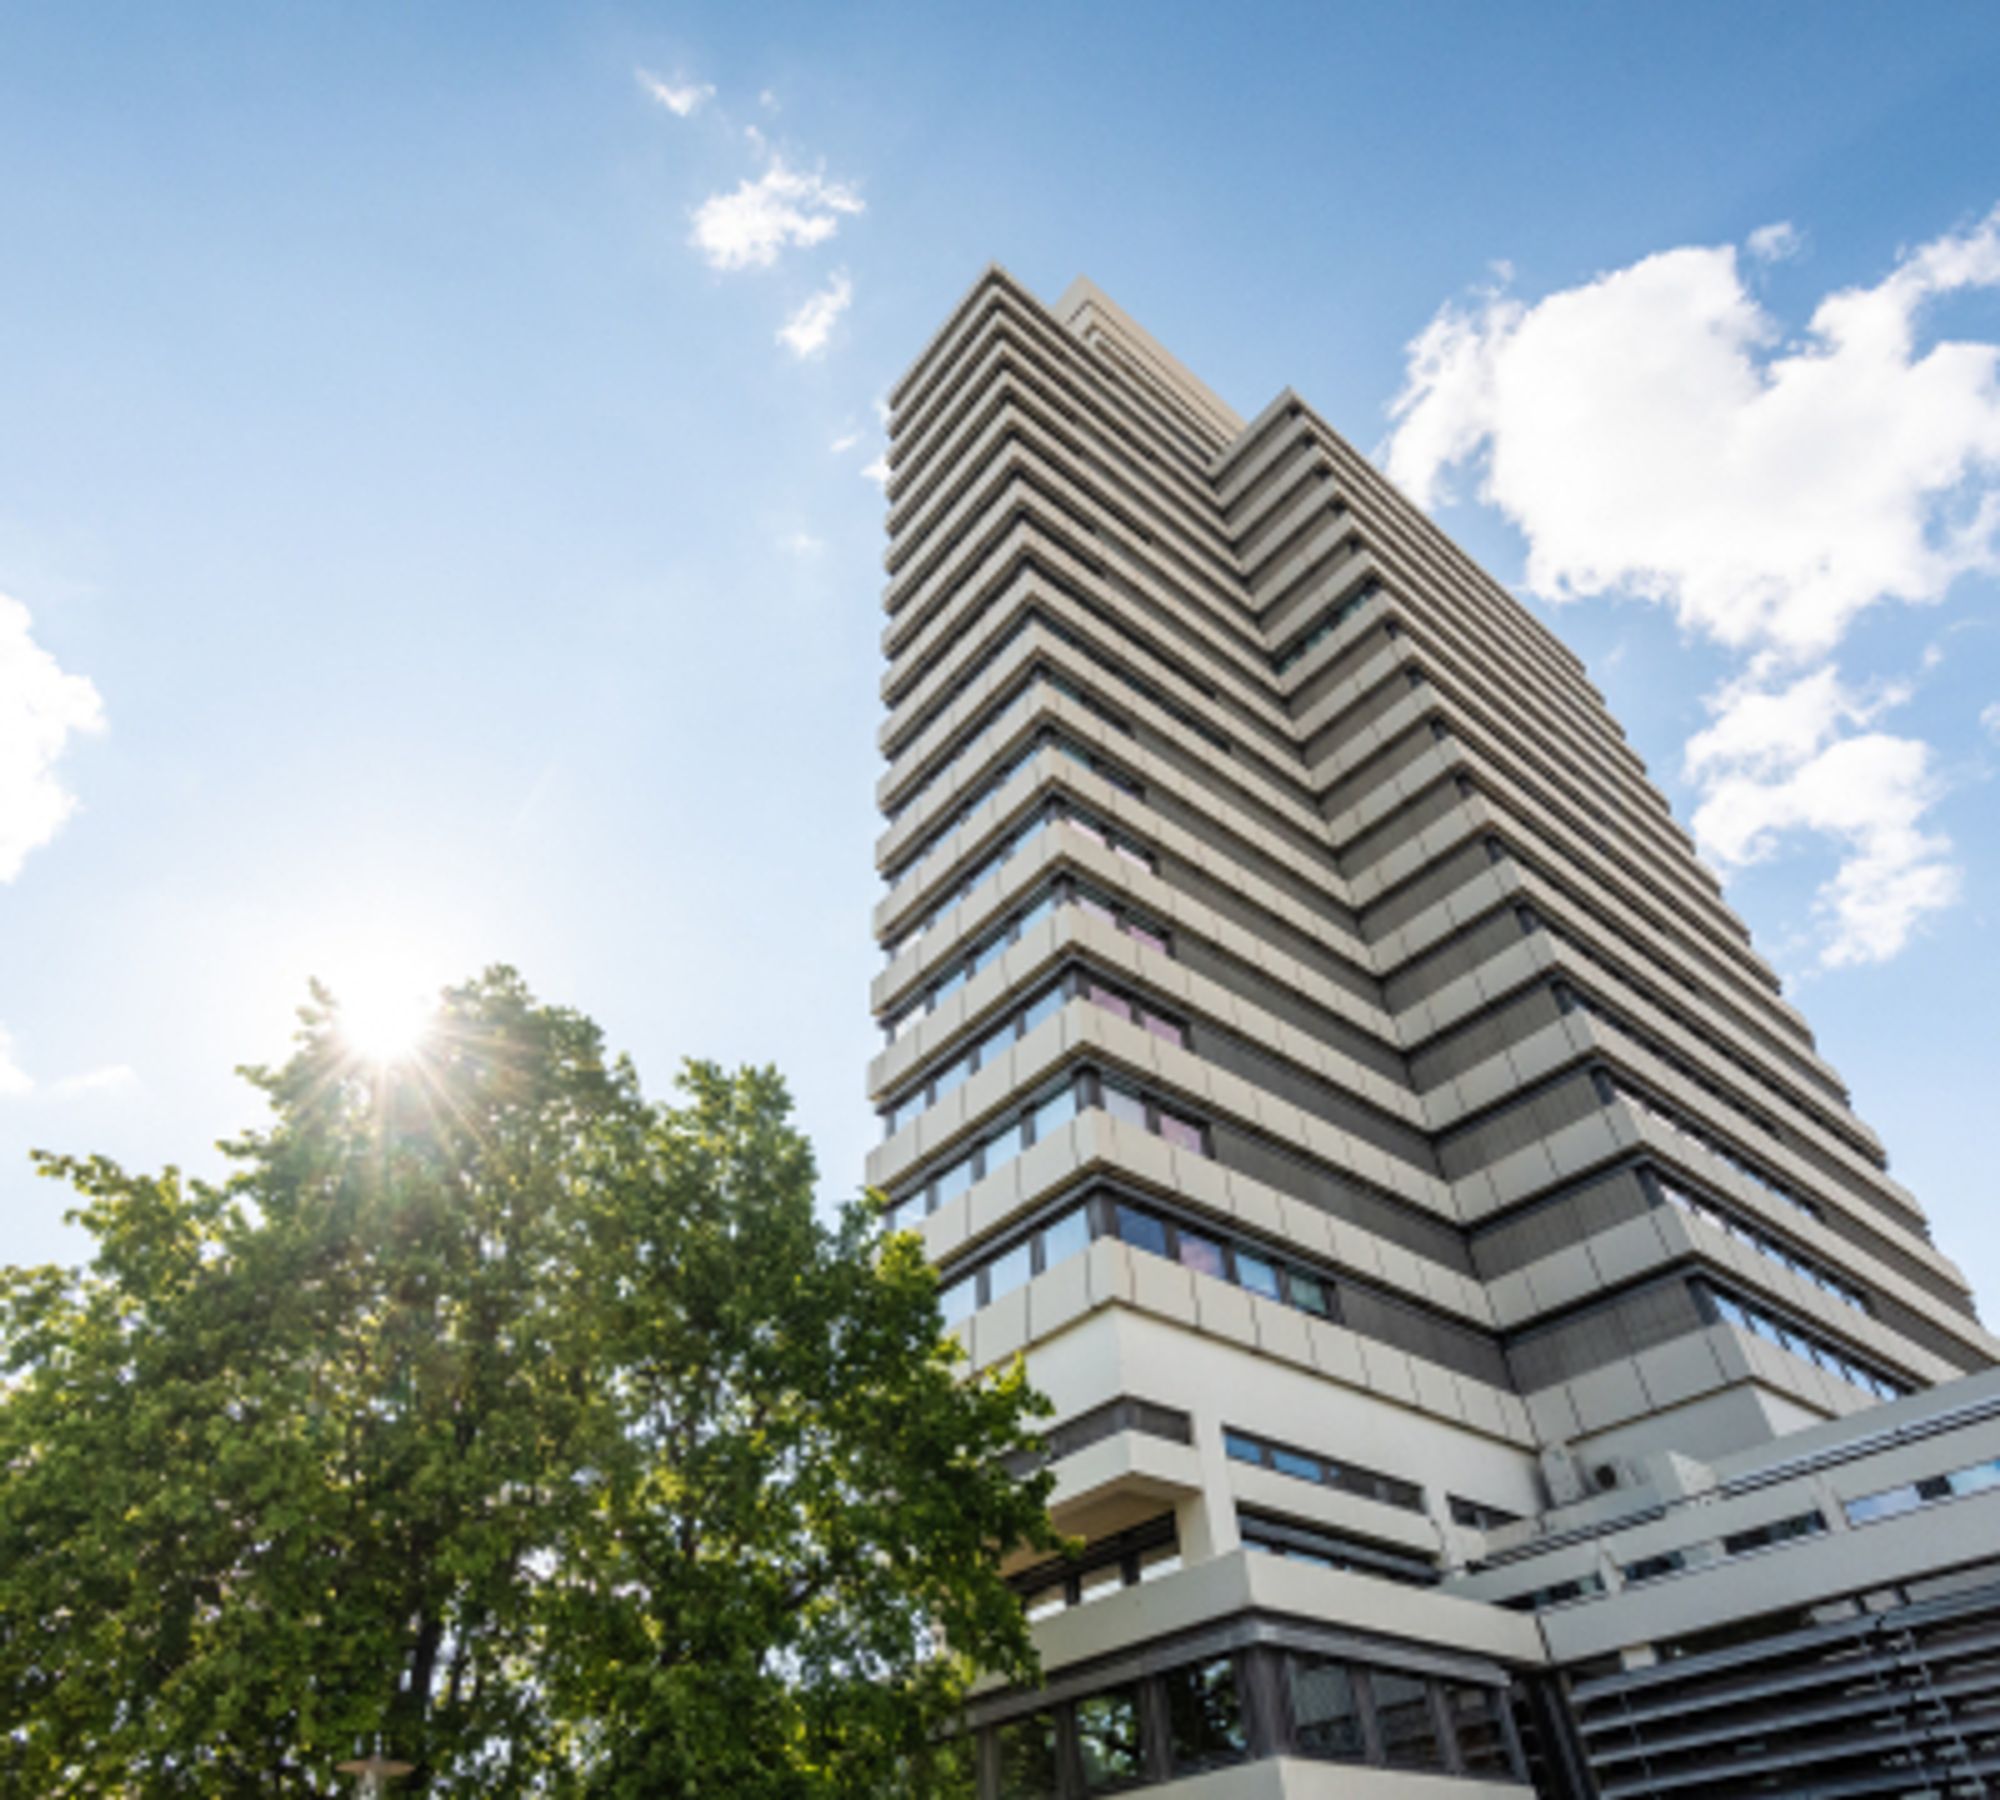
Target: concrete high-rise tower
{"x": 1485, "y": 1343}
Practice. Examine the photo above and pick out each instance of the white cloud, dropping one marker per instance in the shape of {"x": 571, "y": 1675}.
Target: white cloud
{"x": 1989, "y": 717}
{"x": 801, "y": 544}
{"x": 1652, "y": 434}
{"x": 681, "y": 98}
{"x": 40, "y": 708}
{"x": 1777, "y": 242}
{"x": 748, "y": 227}
{"x": 108, "y": 1079}
{"x": 844, "y": 443}
{"x": 767, "y": 100}
{"x": 877, "y": 472}
{"x": 1655, "y": 435}
{"x": 1799, "y": 758}
{"x": 809, "y": 330}
{"x": 17, "y": 1084}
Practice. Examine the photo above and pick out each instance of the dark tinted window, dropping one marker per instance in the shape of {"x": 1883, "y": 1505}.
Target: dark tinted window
{"x": 1205, "y": 1714}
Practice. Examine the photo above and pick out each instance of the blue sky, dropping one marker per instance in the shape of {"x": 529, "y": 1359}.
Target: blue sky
{"x": 422, "y": 547}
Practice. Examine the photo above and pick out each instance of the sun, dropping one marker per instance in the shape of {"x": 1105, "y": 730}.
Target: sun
{"x": 384, "y": 1009}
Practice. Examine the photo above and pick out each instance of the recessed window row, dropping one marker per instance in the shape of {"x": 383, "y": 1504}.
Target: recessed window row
{"x": 1324, "y": 627}
{"x": 1053, "y": 1107}
{"x": 1761, "y": 1241}
{"x": 1237, "y": 1707}
{"x": 1974, "y": 1478}
{"x": 1753, "y": 1316}
{"x": 1076, "y": 983}
{"x": 1556, "y": 1593}
{"x": 1046, "y": 737}
{"x": 1063, "y": 890}
{"x": 1146, "y": 690}
{"x": 1272, "y": 1534}
{"x": 1654, "y": 1568}
{"x": 1142, "y": 1554}
{"x": 1322, "y": 1471}
{"x": 1568, "y": 998}
{"x": 1107, "y": 1212}
{"x": 1079, "y": 1432}
{"x": 1651, "y": 959}
{"x": 1774, "y": 1532}
{"x": 971, "y": 746}
{"x": 1694, "y": 1027}
{"x": 1478, "y": 1515}
{"x": 1615, "y": 1087}
{"x": 1058, "y": 809}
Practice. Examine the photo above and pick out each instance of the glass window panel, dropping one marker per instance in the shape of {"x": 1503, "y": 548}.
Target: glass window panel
{"x": 1241, "y": 1448}
{"x": 1403, "y": 1716}
{"x": 1008, "y": 1271}
{"x": 955, "y": 1180}
{"x": 1254, "y": 1273}
{"x": 1307, "y": 1292}
{"x": 1107, "y": 1739}
{"x": 1325, "y": 1710}
{"x": 1003, "y": 1147}
{"x": 1183, "y": 1134}
{"x": 1165, "y": 1028}
{"x": 959, "y": 1299}
{"x": 1113, "y": 1003}
{"x": 1132, "y": 853}
{"x": 1203, "y": 1255}
{"x": 1054, "y": 1113}
{"x": 1475, "y": 1723}
{"x": 1027, "y": 1756}
{"x": 1142, "y": 1231}
{"x": 1293, "y": 1462}
{"x": 1068, "y": 1236}
{"x": 948, "y": 986}
{"x": 908, "y": 1212}
{"x": 1096, "y": 1584}
{"x": 1096, "y": 908}
{"x": 1088, "y": 827}
{"x": 1123, "y": 1104}
{"x": 1162, "y": 1559}
{"x": 988, "y": 953}
{"x": 1035, "y": 914}
{"x": 906, "y": 1024}
{"x": 948, "y": 1078}
{"x": 1147, "y": 938}
{"x": 1204, "y": 1714}
{"x": 1027, "y": 835}
{"x": 1972, "y": 1480}
{"x": 994, "y": 1045}
{"x": 1045, "y": 1005}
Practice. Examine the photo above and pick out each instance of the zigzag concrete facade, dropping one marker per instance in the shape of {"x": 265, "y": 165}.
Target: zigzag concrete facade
{"x": 1310, "y": 1040}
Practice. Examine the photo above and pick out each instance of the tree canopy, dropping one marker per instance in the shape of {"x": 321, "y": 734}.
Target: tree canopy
{"x": 542, "y": 1433}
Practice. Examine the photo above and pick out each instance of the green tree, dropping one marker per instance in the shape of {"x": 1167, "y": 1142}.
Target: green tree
{"x": 544, "y": 1432}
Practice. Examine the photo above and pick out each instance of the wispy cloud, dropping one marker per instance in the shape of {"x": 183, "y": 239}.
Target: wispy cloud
{"x": 1777, "y": 242}
{"x": 681, "y": 98}
{"x": 844, "y": 443}
{"x": 41, "y": 709}
{"x": 1989, "y": 719}
{"x": 1655, "y": 434}
{"x": 877, "y": 472}
{"x": 801, "y": 544}
{"x": 1803, "y": 756}
{"x": 808, "y": 331}
{"x": 17, "y": 1084}
{"x": 748, "y": 227}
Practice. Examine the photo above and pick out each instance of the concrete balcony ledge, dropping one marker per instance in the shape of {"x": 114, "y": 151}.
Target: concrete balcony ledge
{"x": 1250, "y": 1581}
